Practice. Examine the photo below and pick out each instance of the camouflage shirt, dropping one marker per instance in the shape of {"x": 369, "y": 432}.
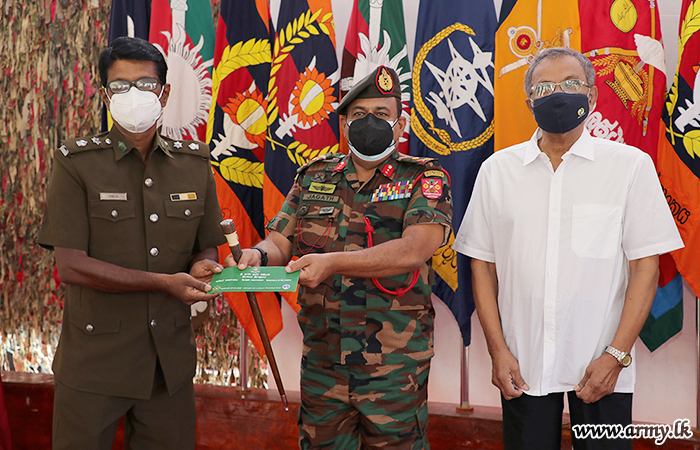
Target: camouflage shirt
{"x": 349, "y": 320}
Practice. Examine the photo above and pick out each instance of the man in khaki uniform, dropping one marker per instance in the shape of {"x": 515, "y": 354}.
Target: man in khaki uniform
{"x": 128, "y": 213}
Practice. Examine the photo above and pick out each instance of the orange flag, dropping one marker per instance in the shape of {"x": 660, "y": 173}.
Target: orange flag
{"x": 531, "y": 26}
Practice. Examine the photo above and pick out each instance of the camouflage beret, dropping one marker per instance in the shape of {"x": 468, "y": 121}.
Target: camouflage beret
{"x": 382, "y": 82}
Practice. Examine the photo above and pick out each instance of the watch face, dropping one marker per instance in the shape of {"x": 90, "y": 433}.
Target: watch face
{"x": 626, "y": 360}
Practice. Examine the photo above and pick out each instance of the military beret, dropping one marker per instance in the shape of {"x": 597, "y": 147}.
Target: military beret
{"x": 382, "y": 82}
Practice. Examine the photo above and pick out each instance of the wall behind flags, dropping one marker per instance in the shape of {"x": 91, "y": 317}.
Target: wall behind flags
{"x": 666, "y": 385}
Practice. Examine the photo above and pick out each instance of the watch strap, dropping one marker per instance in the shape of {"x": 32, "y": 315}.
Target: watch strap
{"x": 263, "y": 256}
{"x": 619, "y": 355}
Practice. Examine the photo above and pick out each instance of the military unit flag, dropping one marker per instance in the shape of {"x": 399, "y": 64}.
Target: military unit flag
{"x": 453, "y": 121}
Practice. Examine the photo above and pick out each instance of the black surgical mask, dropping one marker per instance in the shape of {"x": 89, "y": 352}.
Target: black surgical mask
{"x": 560, "y": 112}
{"x": 370, "y": 138}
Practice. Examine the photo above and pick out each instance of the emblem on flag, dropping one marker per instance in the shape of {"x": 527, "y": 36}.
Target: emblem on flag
{"x": 432, "y": 188}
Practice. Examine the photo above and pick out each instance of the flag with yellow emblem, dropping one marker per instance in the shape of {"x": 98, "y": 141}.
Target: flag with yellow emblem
{"x": 453, "y": 121}
{"x": 236, "y": 134}
{"x": 303, "y": 95}
{"x": 531, "y": 26}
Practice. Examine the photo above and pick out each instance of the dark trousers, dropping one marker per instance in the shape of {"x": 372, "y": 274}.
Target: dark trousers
{"x": 534, "y": 423}
{"x": 86, "y": 421}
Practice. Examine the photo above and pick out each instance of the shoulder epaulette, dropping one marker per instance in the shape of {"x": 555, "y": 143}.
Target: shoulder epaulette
{"x": 184, "y": 146}
{"x": 416, "y": 160}
{"x": 85, "y": 143}
{"x": 326, "y": 157}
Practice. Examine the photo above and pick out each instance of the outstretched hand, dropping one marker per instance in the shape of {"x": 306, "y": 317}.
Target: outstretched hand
{"x": 314, "y": 268}
{"x": 188, "y": 289}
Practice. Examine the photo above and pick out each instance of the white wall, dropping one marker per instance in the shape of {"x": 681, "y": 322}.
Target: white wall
{"x": 666, "y": 380}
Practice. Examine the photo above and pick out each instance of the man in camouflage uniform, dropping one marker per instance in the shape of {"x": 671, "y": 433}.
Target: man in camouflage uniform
{"x": 366, "y": 313}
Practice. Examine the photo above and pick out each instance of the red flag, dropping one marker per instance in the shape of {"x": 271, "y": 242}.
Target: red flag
{"x": 236, "y": 134}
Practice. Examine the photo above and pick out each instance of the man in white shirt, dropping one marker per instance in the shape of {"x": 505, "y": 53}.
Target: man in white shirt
{"x": 564, "y": 232}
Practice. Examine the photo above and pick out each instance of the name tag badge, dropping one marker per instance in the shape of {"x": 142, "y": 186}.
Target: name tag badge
{"x": 183, "y": 197}
{"x": 314, "y": 197}
{"x": 120, "y": 196}
{"x": 326, "y": 210}
{"x": 322, "y": 188}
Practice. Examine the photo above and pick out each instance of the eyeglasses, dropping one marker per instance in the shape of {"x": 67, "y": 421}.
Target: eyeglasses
{"x": 547, "y": 88}
{"x": 143, "y": 84}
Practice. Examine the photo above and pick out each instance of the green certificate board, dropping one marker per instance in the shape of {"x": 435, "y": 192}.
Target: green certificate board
{"x": 252, "y": 279}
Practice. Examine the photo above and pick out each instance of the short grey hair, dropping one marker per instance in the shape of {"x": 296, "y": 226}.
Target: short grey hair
{"x": 558, "y": 52}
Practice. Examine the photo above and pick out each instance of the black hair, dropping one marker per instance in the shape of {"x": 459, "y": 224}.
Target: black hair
{"x": 132, "y": 48}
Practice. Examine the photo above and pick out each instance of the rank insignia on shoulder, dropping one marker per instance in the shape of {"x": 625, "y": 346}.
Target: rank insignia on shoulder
{"x": 183, "y": 197}
{"x": 108, "y": 141}
{"x": 81, "y": 143}
{"x": 393, "y": 191}
{"x": 96, "y": 140}
{"x": 177, "y": 144}
{"x": 388, "y": 170}
{"x": 341, "y": 165}
{"x": 434, "y": 173}
{"x": 432, "y": 188}
{"x": 64, "y": 150}
{"x": 322, "y": 188}
{"x": 194, "y": 146}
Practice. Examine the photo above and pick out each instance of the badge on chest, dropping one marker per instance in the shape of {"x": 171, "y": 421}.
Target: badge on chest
{"x": 393, "y": 191}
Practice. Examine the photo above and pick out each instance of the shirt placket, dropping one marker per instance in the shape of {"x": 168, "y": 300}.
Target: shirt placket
{"x": 551, "y": 274}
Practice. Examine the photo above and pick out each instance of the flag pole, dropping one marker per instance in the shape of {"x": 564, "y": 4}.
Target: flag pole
{"x": 464, "y": 381}
{"x": 242, "y": 359}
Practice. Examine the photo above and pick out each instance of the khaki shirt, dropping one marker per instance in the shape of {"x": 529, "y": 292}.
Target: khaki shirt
{"x": 102, "y": 198}
{"x": 349, "y": 320}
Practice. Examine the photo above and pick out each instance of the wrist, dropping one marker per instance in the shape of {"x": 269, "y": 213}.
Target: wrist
{"x": 262, "y": 254}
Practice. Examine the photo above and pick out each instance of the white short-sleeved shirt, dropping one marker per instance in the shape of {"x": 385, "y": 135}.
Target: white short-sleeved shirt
{"x": 561, "y": 242}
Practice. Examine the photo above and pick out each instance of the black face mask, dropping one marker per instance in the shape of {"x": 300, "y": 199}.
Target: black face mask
{"x": 560, "y": 112}
{"x": 370, "y": 138}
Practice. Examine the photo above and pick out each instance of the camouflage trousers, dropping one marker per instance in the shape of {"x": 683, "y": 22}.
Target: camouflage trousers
{"x": 364, "y": 407}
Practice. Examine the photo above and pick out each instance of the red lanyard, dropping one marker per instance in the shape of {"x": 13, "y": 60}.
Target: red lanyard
{"x": 312, "y": 246}
{"x": 369, "y": 229}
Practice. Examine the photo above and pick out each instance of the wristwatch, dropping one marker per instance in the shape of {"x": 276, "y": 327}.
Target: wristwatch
{"x": 263, "y": 256}
{"x": 623, "y": 359}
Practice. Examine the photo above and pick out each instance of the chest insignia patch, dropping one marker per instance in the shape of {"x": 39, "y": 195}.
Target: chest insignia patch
{"x": 388, "y": 170}
{"x": 322, "y": 188}
{"x": 320, "y": 177}
{"x": 121, "y": 196}
{"x": 183, "y": 197}
{"x": 341, "y": 165}
{"x": 393, "y": 191}
{"x": 314, "y": 197}
{"x": 303, "y": 209}
{"x": 432, "y": 188}
{"x": 433, "y": 173}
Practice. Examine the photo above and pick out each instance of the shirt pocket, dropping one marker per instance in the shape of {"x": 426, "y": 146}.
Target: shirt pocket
{"x": 112, "y": 222}
{"x": 183, "y": 222}
{"x": 596, "y": 231}
{"x": 317, "y": 230}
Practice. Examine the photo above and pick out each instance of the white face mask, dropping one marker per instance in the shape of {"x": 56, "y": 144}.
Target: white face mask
{"x": 136, "y": 110}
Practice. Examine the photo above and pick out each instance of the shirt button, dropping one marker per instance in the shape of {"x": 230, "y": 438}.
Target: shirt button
{"x": 89, "y": 327}
{"x": 188, "y": 213}
{"x": 114, "y": 213}
{"x": 429, "y": 214}
{"x": 154, "y": 251}
{"x": 153, "y": 323}
{"x": 148, "y": 182}
{"x": 549, "y": 306}
{"x": 153, "y": 218}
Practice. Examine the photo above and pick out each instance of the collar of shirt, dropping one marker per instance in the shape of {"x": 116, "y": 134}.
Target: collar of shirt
{"x": 582, "y": 147}
{"x": 122, "y": 146}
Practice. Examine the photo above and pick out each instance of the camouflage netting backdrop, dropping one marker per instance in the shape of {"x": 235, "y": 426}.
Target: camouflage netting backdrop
{"x": 49, "y": 90}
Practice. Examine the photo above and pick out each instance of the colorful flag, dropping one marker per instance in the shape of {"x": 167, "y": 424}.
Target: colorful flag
{"x": 623, "y": 41}
{"x": 183, "y": 30}
{"x": 303, "y": 96}
{"x": 127, "y": 18}
{"x": 236, "y": 134}
{"x": 679, "y": 147}
{"x": 453, "y": 120}
{"x": 377, "y": 37}
{"x": 531, "y": 26}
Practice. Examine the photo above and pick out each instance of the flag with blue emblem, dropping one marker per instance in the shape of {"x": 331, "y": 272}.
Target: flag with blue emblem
{"x": 452, "y": 120}
{"x": 236, "y": 133}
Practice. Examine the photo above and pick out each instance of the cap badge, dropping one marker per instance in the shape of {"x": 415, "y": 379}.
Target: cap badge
{"x": 385, "y": 83}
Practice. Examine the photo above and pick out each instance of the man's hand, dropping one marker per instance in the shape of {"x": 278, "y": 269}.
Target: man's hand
{"x": 599, "y": 380}
{"x": 187, "y": 288}
{"x": 506, "y": 376}
{"x": 249, "y": 258}
{"x": 314, "y": 268}
{"x": 205, "y": 269}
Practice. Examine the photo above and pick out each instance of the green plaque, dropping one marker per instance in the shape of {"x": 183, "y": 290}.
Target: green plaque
{"x": 252, "y": 279}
